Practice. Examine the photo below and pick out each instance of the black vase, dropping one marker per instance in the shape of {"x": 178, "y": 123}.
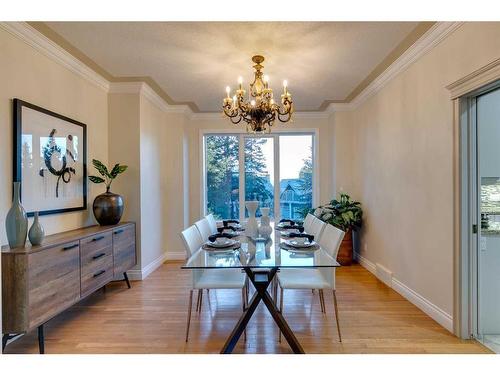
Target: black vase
{"x": 108, "y": 208}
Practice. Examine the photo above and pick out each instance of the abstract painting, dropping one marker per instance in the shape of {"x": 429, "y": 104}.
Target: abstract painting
{"x": 49, "y": 160}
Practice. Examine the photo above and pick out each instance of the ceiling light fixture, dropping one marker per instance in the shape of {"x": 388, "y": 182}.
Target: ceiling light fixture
{"x": 260, "y": 110}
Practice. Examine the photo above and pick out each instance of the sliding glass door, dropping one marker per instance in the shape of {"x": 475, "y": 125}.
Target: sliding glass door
{"x": 222, "y": 176}
{"x": 296, "y": 175}
{"x": 277, "y": 170}
{"x": 259, "y": 172}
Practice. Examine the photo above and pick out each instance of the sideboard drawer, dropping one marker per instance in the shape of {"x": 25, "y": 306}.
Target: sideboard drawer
{"x": 54, "y": 281}
{"x": 96, "y": 275}
{"x": 124, "y": 249}
{"x": 95, "y": 247}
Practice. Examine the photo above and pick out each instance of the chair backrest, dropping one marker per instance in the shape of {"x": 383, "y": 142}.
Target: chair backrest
{"x": 308, "y": 222}
{"x": 212, "y": 223}
{"x": 204, "y": 229}
{"x": 331, "y": 239}
{"x": 192, "y": 240}
{"x": 317, "y": 227}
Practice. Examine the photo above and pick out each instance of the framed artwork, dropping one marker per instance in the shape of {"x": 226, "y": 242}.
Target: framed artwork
{"x": 50, "y": 160}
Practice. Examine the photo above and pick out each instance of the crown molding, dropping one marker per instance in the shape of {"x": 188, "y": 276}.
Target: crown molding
{"x": 477, "y": 79}
{"x": 156, "y": 99}
{"x": 47, "y": 47}
{"x": 339, "y": 107}
{"x": 428, "y": 41}
{"x": 142, "y": 88}
{"x": 41, "y": 43}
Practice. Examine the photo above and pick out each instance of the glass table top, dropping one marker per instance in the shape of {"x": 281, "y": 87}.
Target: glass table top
{"x": 259, "y": 253}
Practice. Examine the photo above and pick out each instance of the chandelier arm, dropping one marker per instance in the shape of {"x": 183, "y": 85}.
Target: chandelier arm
{"x": 235, "y": 122}
{"x": 285, "y": 117}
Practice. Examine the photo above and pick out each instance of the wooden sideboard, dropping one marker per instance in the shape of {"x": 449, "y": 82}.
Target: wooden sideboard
{"x": 39, "y": 282}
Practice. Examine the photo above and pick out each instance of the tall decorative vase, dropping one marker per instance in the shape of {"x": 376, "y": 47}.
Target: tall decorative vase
{"x": 252, "y": 227}
{"x": 36, "y": 232}
{"x": 265, "y": 229}
{"x": 16, "y": 223}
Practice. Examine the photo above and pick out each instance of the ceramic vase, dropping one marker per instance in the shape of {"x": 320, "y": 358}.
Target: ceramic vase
{"x": 16, "y": 222}
{"x": 265, "y": 229}
{"x": 36, "y": 232}
{"x": 108, "y": 208}
{"x": 252, "y": 227}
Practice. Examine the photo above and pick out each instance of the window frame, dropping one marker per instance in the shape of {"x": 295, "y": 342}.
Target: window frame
{"x": 276, "y": 133}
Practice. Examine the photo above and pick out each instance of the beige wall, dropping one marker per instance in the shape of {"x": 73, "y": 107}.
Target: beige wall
{"x": 321, "y": 123}
{"x": 150, "y": 141}
{"x": 152, "y": 188}
{"x": 31, "y": 76}
{"x": 400, "y": 165}
{"x": 124, "y": 148}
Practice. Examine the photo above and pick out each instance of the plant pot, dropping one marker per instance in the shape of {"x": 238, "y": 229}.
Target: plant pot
{"x": 108, "y": 208}
{"x": 344, "y": 257}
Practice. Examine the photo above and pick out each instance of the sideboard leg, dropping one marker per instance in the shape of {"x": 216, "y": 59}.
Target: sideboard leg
{"x": 41, "y": 339}
{"x": 125, "y": 277}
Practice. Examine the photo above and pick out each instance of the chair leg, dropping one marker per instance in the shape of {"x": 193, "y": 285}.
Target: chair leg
{"x": 281, "y": 310}
{"x": 336, "y": 314}
{"x": 201, "y": 300}
{"x": 322, "y": 301}
{"x": 189, "y": 313}
{"x": 243, "y": 304}
{"x": 198, "y": 301}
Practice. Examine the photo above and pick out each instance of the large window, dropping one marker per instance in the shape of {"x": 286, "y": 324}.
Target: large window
{"x": 222, "y": 176}
{"x": 296, "y": 175}
{"x": 276, "y": 169}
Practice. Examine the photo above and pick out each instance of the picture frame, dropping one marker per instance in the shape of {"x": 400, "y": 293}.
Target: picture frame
{"x": 50, "y": 160}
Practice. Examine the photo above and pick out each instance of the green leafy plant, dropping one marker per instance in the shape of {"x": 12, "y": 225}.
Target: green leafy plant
{"x": 343, "y": 213}
{"x": 107, "y": 176}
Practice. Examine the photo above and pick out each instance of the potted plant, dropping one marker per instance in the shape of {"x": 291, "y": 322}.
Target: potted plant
{"x": 344, "y": 214}
{"x": 107, "y": 207}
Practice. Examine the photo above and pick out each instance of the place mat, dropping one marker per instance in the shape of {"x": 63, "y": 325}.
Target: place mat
{"x": 310, "y": 249}
{"x": 232, "y": 235}
{"x": 235, "y": 246}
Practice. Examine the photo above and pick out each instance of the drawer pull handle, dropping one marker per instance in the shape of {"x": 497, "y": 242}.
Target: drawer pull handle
{"x": 99, "y": 273}
{"x": 98, "y": 256}
{"x": 97, "y": 238}
{"x": 70, "y": 247}
{"x": 119, "y": 231}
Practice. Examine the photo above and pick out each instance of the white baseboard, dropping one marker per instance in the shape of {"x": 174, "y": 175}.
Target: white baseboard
{"x": 176, "y": 255}
{"x": 436, "y": 313}
{"x": 141, "y": 274}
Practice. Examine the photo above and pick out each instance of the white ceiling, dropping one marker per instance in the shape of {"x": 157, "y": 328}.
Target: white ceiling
{"x": 194, "y": 61}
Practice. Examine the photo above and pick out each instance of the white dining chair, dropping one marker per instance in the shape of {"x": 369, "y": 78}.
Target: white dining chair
{"x": 212, "y": 223}
{"x": 319, "y": 278}
{"x": 192, "y": 240}
{"x": 308, "y": 222}
{"x": 209, "y": 278}
{"x": 316, "y": 228}
{"x": 204, "y": 228}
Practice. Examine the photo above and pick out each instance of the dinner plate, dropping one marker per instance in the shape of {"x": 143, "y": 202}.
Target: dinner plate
{"x": 285, "y": 233}
{"x": 304, "y": 245}
{"x": 228, "y": 242}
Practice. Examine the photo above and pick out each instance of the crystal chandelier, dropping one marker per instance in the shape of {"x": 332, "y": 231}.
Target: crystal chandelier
{"x": 260, "y": 110}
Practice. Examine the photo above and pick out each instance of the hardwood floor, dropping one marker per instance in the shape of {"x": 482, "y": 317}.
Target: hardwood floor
{"x": 151, "y": 318}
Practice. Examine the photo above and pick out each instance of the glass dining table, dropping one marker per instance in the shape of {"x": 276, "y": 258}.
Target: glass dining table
{"x": 261, "y": 260}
